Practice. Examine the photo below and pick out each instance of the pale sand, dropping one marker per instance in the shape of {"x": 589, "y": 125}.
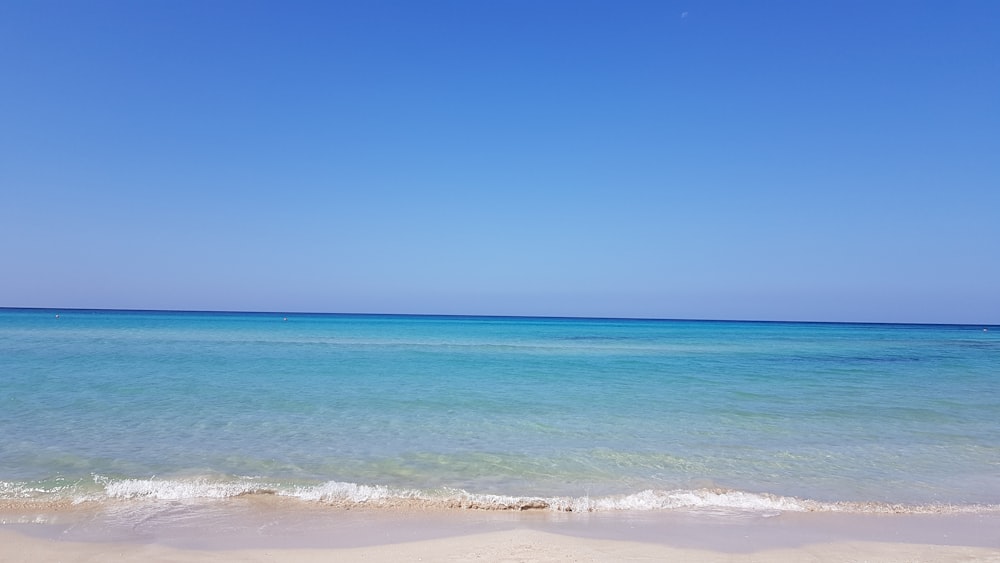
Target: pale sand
{"x": 265, "y": 529}
{"x": 508, "y": 545}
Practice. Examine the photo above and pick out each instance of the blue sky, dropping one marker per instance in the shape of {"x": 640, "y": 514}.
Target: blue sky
{"x": 697, "y": 159}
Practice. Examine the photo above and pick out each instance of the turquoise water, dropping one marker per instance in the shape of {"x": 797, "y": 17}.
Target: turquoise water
{"x": 574, "y": 414}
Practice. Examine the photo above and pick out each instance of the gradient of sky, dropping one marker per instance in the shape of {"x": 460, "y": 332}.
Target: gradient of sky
{"x": 681, "y": 159}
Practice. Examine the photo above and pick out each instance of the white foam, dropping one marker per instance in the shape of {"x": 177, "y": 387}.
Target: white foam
{"x": 162, "y": 489}
{"x": 699, "y": 500}
{"x": 721, "y": 501}
{"x": 9, "y": 490}
{"x": 336, "y": 491}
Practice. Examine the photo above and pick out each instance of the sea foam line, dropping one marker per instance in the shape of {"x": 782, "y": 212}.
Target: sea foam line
{"x": 347, "y": 495}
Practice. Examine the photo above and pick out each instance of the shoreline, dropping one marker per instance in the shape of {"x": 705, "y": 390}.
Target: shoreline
{"x": 263, "y": 530}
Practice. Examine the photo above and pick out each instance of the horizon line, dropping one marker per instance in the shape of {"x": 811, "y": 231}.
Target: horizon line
{"x": 488, "y": 316}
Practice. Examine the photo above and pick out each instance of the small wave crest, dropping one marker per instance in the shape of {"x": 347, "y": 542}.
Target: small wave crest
{"x": 336, "y": 492}
{"x": 163, "y": 489}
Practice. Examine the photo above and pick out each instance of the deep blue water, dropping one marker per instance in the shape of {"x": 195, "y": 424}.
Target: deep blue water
{"x": 590, "y": 413}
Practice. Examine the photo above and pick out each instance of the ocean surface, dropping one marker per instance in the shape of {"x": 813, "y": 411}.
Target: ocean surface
{"x": 487, "y": 412}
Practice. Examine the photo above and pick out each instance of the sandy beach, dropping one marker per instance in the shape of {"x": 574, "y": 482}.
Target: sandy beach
{"x": 510, "y": 545}
{"x": 263, "y": 530}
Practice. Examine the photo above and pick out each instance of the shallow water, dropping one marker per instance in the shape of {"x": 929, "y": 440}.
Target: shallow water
{"x": 578, "y": 414}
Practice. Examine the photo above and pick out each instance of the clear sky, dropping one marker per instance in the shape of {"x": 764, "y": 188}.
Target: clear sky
{"x": 681, "y": 159}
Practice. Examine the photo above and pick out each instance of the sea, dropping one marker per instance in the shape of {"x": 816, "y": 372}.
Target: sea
{"x": 99, "y": 407}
